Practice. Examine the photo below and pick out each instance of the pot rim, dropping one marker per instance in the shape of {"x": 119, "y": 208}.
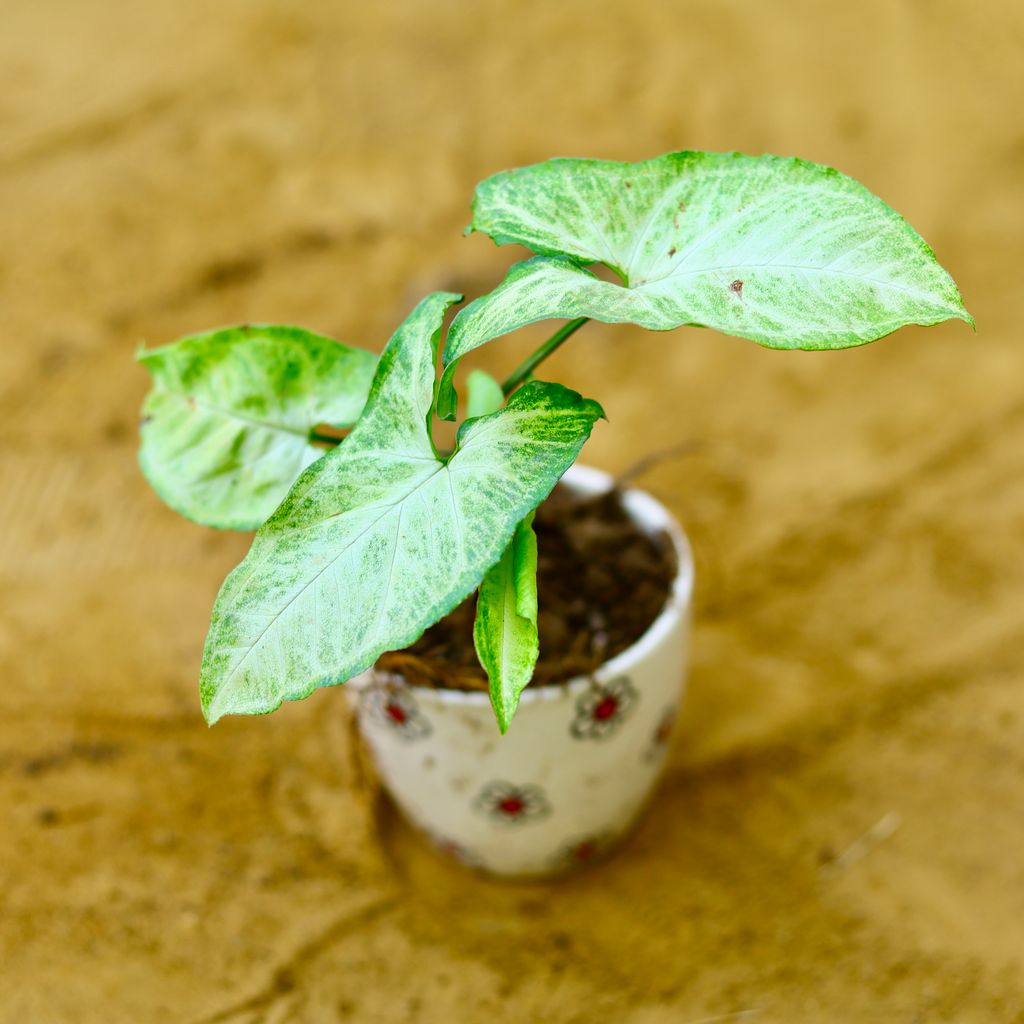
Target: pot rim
{"x": 649, "y": 514}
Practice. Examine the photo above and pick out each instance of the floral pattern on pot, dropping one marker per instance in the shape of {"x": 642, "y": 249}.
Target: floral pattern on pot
{"x": 662, "y": 735}
{"x": 456, "y": 851}
{"x": 583, "y": 850}
{"x": 510, "y": 804}
{"x": 395, "y": 707}
{"x": 603, "y": 708}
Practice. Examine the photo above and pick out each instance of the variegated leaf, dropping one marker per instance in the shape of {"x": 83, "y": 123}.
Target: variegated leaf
{"x": 382, "y": 537}
{"x": 787, "y": 253}
{"x": 226, "y": 428}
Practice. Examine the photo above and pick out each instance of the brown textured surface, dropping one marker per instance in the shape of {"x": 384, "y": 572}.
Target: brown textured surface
{"x": 840, "y": 835}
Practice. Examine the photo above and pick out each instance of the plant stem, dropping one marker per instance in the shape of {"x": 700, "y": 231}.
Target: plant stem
{"x": 525, "y": 369}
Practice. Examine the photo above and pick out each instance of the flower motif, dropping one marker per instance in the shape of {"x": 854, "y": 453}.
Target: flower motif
{"x": 603, "y": 708}
{"x": 455, "y": 850}
{"x": 511, "y": 804}
{"x": 662, "y": 734}
{"x": 584, "y": 849}
{"x": 395, "y": 707}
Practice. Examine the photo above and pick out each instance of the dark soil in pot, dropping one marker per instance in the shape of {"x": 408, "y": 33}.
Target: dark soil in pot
{"x": 601, "y": 582}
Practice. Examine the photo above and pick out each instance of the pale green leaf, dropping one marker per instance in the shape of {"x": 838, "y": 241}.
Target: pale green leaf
{"x": 226, "y": 426}
{"x": 381, "y": 537}
{"x": 483, "y": 394}
{"x": 505, "y": 628}
{"x": 784, "y": 252}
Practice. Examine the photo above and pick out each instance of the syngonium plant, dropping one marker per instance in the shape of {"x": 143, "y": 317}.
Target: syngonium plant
{"x": 366, "y": 539}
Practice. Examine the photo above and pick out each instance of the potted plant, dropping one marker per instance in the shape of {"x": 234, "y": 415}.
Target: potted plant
{"x": 371, "y": 543}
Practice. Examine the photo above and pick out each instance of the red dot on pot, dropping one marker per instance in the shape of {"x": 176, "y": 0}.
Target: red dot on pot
{"x": 511, "y": 805}
{"x": 396, "y": 713}
{"x": 607, "y": 708}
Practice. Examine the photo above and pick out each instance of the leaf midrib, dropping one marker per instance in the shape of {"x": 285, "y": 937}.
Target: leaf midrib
{"x": 277, "y": 617}
{"x": 514, "y": 212}
{"x": 738, "y": 215}
{"x": 445, "y": 466}
{"x": 208, "y": 406}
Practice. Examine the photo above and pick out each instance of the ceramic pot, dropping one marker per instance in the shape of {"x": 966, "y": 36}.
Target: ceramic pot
{"x": 579, "y": 760}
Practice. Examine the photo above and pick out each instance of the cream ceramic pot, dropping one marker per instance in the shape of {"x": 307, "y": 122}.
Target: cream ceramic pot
{"x": 578, "y": 761}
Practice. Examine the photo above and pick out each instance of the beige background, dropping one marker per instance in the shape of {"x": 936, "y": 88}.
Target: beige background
{"x": 841, "y": 835}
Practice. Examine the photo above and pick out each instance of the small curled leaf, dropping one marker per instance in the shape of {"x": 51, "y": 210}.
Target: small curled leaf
{"x": 505, "y": 628}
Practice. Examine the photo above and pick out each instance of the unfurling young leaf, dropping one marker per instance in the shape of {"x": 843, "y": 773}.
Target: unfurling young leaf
{"x": 787, "y": 253}
{"x": 483, "y": 394}
{"x": 226, "y": 428}
{"x": 505, "y": 629}
{"x": 381, "y": 537}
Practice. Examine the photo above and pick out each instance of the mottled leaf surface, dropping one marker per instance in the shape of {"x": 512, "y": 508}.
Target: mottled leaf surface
{"x": 787, "y": 253}
{"x": 226, "y": 426}
{"x": 505, "y": 628}
{"x": 381, "y": 537}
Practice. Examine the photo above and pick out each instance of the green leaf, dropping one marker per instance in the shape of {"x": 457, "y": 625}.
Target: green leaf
{"x": 226, "y": 427}
{"x": 484, "y": 394}
{"x": 784, "y": 252}
{"x": 505, "y": 628}
{"x": 381, "y": 538}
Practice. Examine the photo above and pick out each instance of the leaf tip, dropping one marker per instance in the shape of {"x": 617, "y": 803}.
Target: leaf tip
{"x": 210, "y": 712}
{"x": 957, "y": 308}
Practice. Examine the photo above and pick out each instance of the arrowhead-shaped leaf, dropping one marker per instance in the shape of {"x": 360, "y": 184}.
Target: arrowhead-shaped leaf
{"x": 784, "y": 252}
{"x": 226, "y": 426}
{"x": 505, "y": 628}
{"x": 380, "y": 538}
